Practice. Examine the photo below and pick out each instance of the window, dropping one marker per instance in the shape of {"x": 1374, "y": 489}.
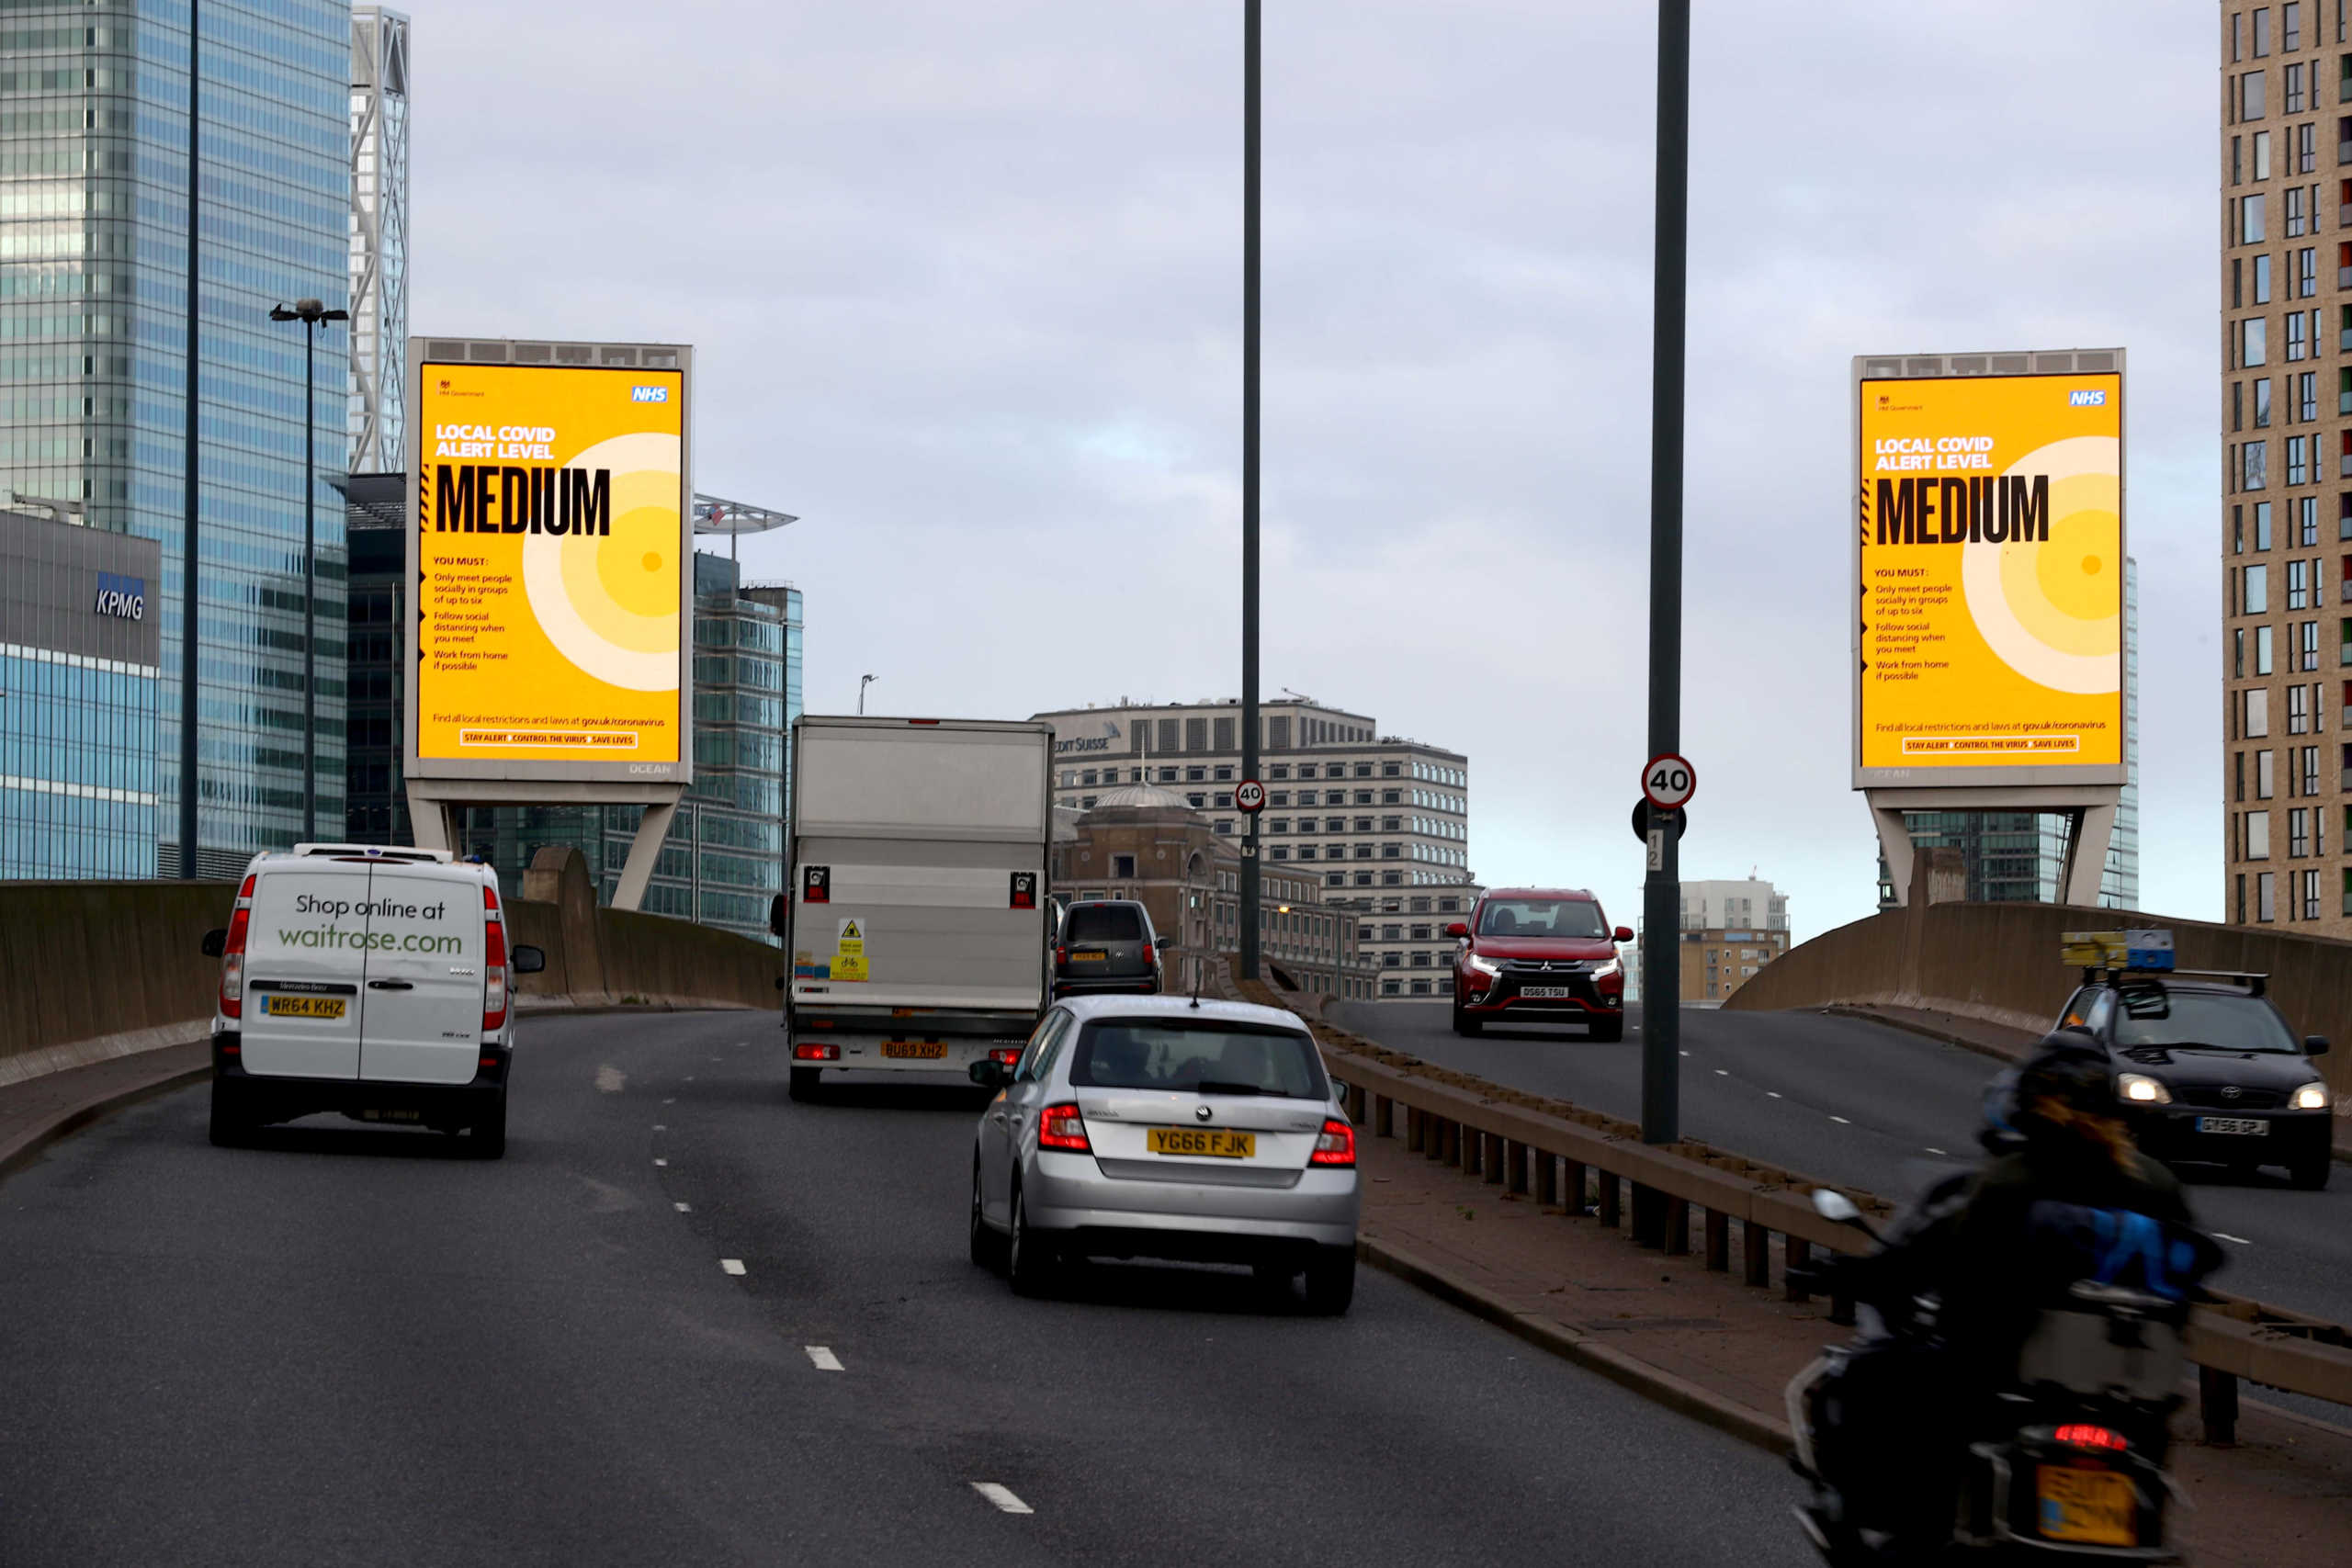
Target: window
{"x": 2262, "y": 650}
{"x": 1280, "y": 797}
{"x": 2237, "y": 656}
{"x": 1167, "y": 775}
{"x": 2254, "y": 346}
{"x": 2261, "y": 530}
{"x": 2264, "y": 897}
{"x": 2307, "y": 636}
{"x": 2299, "y": 833}
{"x": 2290, "y": 89}
{"x": 1225, "y": 825}
{"x": 2256, "y": 717}
{"x": 1222, "y": 774}
{"x": 2256, "y": 600}
{"x": 2262, "y": 403}
{"x": 2261, "y": 32}
{"x": 2247, "y": 220}
{"x": 2306, "y": 512}
{"x": 2305, "y": 283}
{"x": 2311, "y": 783}
{"x": 2298, "y": 467}
{"x": 2253, "y": 460}
{"x": 1391, "y": 797}
{"x": 2299, "y": 575}
{"x": 1363, "y": 770}
{"x": 1196, "y": 800}
{"x": 2262, "y": 158}
{"x": 2304, "y": 159}
{"x": 2310, "y": 894}
{"x": 1225, "y": 730}
{"x": 2299, "y": 710}
{"x": 2252, "y": 101}
{"x": 2257, "y": 835}
{"x": 2290, "y": 26}
{"x": 1306, "y": 852}
{"x": 2297, "y": 342}
{"x": 1120, "y": 866}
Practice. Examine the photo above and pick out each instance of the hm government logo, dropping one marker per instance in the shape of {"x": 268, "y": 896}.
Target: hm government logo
{"x": 649, "y": 394}
{"x": 2087, "y": 398}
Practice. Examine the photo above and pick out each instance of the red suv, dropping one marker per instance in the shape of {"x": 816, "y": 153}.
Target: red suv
{"x": 1539, "y": 955}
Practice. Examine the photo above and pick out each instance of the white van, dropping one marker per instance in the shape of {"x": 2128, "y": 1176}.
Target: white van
{"x": 372, "y": 981}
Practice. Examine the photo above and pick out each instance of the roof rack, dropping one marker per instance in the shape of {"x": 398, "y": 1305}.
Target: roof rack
{"x": 375, "y": 851}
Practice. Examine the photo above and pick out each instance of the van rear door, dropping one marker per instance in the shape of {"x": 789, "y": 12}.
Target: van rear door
{"x": 424, "y": 977}
{"x": 305, "y": 948}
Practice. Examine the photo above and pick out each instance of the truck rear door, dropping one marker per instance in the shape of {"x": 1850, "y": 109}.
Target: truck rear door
{"x": 424, "y": 977}
{"x": 305, "y": 948}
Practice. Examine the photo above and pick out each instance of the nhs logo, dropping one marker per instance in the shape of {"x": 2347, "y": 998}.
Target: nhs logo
{"x": 649, "y": 394}
{"x": 2087, "y": 398}
{"x": 124, "y": 598}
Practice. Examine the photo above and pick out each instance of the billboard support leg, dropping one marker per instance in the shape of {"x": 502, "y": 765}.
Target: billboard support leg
{"x": 644, "y": 853}
{"x": 1895, "y": 844}
{"x": 429, "y": 821}
{"x": 2086, "y": 854}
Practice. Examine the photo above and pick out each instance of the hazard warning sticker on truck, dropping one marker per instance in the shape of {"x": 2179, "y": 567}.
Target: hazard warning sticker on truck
{"x": 849, "y": 951}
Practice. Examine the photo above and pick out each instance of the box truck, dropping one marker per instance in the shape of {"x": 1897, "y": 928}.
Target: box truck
{"x": 917, "y": 916}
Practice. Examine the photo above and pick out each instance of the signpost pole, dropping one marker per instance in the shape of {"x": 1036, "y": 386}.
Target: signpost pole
{"x": 1661, "y": 892}
{"x": 1249, "y": 872}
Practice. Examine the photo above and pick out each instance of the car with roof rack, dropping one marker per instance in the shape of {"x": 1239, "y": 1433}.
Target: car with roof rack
{"x": 2207, "y": 1070}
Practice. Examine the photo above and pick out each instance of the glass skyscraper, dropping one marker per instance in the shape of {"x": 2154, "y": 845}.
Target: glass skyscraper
{"x": 94, "y": 296}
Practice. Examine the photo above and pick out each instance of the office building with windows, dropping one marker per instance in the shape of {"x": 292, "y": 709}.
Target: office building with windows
{"x": 80, "y": 689}
{"x": 93, "y": 312}
{"x": 722, "y": 860}
{"x": 1731, "y": 930}
{"x": 379, "y": 240}
{"x": 1383, "y": 821}
{"x": 2286, "y": 510}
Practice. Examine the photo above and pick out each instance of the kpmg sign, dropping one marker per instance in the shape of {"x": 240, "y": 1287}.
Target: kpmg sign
{"x": 124, "y": 598}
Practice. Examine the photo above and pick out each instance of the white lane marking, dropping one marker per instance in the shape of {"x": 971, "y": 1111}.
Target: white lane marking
{"x": 1933, "y": 1150}
{"x": 1683, "y": 1052}
{"x": 683, "y": 1209}
{"x": 826, "y": 1361}
{"x": 661, "y": 1162}
{"x": 668, "y": 1102}
{"x": 1773, "y": 1093}
{"x": 2239, "y": 1239}
{"x": 732, "y": 1264}
{"x": 1002, "y": 1497}
{"x": 1841, "y": 1120}
{"x": 1721, "y": 1073}
{"x": 659, "y": 1128}
{"x": 611, "y": 1080}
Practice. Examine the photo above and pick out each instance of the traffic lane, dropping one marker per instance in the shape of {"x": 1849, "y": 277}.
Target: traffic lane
{"x": 1156, "y": 1412}
{"x": 348, "y": 1344}
{"x": 1854, "y": 1102}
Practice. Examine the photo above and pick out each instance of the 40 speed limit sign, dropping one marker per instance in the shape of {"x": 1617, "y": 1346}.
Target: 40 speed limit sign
{"x": 1668, "y": 782}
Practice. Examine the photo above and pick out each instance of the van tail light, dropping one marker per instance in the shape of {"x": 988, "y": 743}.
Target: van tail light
{"x": 494, "y": 985}
{"x": 1336, "y": 1146}
{"x": 1060, "y": 1127}
{"x": 807, "y": 1051}
{"x": 233, "y": 955}
{"x": 1061, "y": 955}
{"x": 1146, "y": 953}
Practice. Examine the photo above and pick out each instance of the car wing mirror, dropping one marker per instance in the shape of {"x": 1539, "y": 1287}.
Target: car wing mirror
{"x": 779, "y": 982}
{"x": 779, "y": 913}
{"x": 990, "y": 1075}
{"x": 216, "y": 942}
{"x": 526, "y": 959}
{"x": 1623, "y": 933}
{"x": 1457, "y": 929}
{"x": 2314, "y": 1045}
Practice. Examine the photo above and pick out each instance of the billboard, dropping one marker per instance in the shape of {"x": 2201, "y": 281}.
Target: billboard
{"x": 552, "y": 562}
{"x": 1989, "y": 570}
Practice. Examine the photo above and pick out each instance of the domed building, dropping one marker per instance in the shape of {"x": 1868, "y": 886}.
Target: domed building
{"x": 1143, "y": 842}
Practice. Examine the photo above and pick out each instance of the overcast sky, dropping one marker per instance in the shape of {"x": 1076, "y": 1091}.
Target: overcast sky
{"x": 964, "y": 283}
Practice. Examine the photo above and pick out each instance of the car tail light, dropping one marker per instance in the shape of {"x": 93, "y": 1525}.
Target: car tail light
{"x": 1146, "y": 953}
{"x": 494, "y": 985}
{"x": 233, "y": 955}
{"x": 2084, "y": 1436}
{"x": 808, "y": 1052}
{"x": 1060, "y": 1127}
{"x": 1004, "y": 1056}
{"x": 1061, "y": 955}
{"x": 1337, "y": 1145}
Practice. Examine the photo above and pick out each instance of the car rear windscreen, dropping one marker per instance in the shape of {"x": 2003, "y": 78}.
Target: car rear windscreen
{"x": 1206, "y": 1057}
{"x": 1102, "y": 922}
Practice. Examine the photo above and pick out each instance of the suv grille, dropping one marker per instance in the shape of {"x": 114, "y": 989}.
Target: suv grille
{"x": 1544, "y": 965}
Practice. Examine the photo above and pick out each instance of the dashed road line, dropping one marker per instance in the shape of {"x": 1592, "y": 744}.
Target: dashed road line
{"x": 1002, "y": 1497}
{"x": 1933, "y": 1150}
{"x": 2225, "y": 1236}
{"x": 823, "y": 1358}
{"x": 732, "y": 1264}
{"x": 1773, "y": 1093}
{"x": 661, "y": 1162}
{"x": 659, "y": 1127}
{"x": 1841, "y": 1120}
{"x": 683, "y": 1209}
{"x": 1721, "y": 1073}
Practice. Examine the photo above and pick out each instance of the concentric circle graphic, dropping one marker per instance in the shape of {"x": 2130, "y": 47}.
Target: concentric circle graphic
{"x": 611, "y": 606}
{"x": 2052, "y": 610}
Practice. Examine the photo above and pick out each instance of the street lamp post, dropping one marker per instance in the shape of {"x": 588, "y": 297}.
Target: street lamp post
{"x": 310, "y": 313}
{"x": 863, "y": 682}
{"x": 1251, "y": 884}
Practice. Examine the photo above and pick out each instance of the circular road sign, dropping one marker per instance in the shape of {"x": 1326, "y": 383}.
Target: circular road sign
{"x": 1645, "y": 814}
{"x": 1668, "y": 782}
{"x": 1249, "y": 796}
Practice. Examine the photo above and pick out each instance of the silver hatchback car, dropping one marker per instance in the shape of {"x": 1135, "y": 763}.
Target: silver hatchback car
{"x": 1167, "y": 1127}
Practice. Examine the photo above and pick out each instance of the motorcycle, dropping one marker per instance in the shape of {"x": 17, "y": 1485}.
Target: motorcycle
{"x": 2063, "y": 1461}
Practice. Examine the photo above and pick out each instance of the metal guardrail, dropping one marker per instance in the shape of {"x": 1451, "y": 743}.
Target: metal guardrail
{"x": 1584, "y": 1161}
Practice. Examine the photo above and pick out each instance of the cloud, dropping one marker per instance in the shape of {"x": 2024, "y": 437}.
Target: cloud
{"x": 964, "y": 284}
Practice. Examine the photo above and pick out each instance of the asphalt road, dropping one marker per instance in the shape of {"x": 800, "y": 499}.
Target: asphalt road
{"x": 348, "y": 1345}
{"x": 1862, "y": 1104}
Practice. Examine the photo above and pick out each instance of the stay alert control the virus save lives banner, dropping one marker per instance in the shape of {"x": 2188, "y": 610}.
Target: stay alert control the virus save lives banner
{"x": 550, "y": 544}
{"x": 1991, "y": 587}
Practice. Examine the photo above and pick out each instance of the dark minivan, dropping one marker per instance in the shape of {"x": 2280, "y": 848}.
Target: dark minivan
{"x": 1107, "y": 944}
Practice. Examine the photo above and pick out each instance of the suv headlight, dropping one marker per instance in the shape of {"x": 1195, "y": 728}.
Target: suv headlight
{"x": 2139, "y": 1088}
{"x": 1606, "y": 967}
{"x": 2310, "y": 1096}
{"x": 1482, "y": 966}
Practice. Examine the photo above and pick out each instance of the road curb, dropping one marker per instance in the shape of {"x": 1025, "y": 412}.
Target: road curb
{"x": 22, "y": 1147}
{"x": 1677, "y": 1393}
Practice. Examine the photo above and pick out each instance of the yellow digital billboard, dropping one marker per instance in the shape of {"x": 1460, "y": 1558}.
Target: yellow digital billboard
{"x": 1990, "y": 636}
{"x": 549, "y": 542}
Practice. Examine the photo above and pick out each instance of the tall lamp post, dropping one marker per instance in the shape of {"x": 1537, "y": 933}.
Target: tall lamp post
{"x": 863, "y": 682}
{"x": 310, "y": 313}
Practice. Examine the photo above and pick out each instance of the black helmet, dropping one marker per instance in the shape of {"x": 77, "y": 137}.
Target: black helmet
{"x": 2067, "y": 1068}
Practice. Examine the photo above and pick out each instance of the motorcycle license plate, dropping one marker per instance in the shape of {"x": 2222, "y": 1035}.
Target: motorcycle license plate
{"x": 1548, "y": 993}
{"x": 2096, "y": 1507}
{"x": 2240, "y": 1126}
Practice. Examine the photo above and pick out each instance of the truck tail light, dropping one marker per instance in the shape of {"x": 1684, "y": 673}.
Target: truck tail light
{"x": 494, "y": 984}
{"x": 233, "y": 955}
{"x": 1004, "y": 1056}
{"x": 807, "y": 1051}
{"x": 1061, "y": 1127}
